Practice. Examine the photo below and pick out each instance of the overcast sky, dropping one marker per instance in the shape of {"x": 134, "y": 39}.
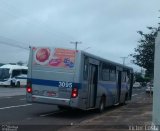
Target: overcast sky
{"x": 108, "y": 27}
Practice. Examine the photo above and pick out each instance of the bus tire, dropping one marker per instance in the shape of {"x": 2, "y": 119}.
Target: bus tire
{"x": 102, "y": 105}
{"x": 125, "y": 99}
{"x": 18, "y": 84}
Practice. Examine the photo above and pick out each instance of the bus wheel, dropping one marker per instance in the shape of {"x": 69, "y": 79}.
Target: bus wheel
{"x": 18, "y": 84}
{"x": 102, "y": 105}
{"x": 125, "y": 99}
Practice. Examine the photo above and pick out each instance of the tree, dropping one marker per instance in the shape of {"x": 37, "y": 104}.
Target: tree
{"x": 138, "y": 77}
{"x": 144, "y": 53}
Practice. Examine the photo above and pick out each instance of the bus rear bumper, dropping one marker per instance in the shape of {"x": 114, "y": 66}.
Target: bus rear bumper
{"x": 48, "y": 100}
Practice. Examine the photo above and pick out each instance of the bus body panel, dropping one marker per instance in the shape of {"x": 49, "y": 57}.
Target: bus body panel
{"x": 52, "y": 85}
{"x": 109, "y": 90}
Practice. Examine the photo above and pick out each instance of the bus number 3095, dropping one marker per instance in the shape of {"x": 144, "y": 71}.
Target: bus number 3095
{"x": 65, "y": 84}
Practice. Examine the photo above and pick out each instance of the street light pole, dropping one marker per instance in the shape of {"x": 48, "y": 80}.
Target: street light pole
{"x": 76, "y": 43}
{"x": 124, "y": 59}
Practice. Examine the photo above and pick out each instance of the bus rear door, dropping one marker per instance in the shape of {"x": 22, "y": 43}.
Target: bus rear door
{"x": 92, "y": 83}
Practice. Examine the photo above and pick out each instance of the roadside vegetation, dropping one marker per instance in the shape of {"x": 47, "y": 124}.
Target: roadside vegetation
{"x": 143, "y": 55}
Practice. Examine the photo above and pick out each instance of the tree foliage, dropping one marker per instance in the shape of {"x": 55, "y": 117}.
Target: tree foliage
{"x": 144, "y": 53}
{"x": 138, "y": 77}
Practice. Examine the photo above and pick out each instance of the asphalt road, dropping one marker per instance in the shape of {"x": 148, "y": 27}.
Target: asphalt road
{"x": 16, "y": 112}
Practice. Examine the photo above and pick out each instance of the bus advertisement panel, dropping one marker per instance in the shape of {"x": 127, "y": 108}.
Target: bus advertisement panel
{"x": 55, "y": 57}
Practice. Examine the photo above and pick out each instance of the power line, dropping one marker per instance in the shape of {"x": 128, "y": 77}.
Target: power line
{"x": 4, "y": 41}
{"x": 13, "y": 45}
{"x": 10, "y": 39}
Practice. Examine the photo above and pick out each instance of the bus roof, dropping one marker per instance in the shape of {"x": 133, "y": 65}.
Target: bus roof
{"x": 105, "y": 60}
{"x": 8, "y": 66}
{"x": 96, "y": 57}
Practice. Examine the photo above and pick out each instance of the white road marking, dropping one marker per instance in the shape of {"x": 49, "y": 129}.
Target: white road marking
{"x": 134, "y": 94}
{"x": 29, "y": 118}
{"x": 2, "y": 108}
{"x": 23, "y": 99}
{"x": 8, "y": 97}
{"x": 5, "y": 97}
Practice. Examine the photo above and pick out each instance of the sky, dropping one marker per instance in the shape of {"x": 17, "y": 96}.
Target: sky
{"x": 106, "y": 28}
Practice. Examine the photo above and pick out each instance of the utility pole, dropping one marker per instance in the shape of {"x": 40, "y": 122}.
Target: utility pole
{"x": 124, "y": 59}
{"x": 76, "y": 43}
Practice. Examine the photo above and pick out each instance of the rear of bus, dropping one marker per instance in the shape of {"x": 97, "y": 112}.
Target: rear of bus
{"x": 52, "y": 76}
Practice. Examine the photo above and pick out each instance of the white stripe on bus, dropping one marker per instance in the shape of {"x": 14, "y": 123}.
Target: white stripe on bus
{"x": 62, "y": 99}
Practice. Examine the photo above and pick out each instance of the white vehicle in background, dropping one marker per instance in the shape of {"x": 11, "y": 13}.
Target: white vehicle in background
{"x": 20, "y": 80}
{"x": 136, "y": 85}
{"x": 13, "y": 75}
{"x": 149, "y": 88}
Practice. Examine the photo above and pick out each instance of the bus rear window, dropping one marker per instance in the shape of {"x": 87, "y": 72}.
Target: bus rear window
{"x": 16, "y": 73}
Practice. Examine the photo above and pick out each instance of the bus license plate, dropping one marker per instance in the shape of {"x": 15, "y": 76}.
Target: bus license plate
{"x": 51, "y": 93}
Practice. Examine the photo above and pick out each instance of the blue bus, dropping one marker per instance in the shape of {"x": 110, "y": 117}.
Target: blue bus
{"x": 76, "y": 79}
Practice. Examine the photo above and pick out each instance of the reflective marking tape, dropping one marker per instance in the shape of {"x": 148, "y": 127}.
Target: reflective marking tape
{"x": 61, "y": 99}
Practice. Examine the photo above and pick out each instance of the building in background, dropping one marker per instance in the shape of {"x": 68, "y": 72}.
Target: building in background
{"x": 156, "y": 90}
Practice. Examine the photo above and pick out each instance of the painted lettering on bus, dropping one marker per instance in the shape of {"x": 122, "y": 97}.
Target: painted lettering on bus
{"x": 65, "y": 84}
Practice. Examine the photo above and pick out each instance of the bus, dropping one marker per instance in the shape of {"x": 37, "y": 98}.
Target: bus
{"x": 13, "y": 75}
{"x": 76, "y": 79}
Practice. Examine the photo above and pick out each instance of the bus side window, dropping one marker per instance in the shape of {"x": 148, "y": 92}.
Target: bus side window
{"x": 105, "y": 72}
{"x": 128, "y": 77}
{"x": 24, "y": 71}
{"x": 112, "y": 73}
{"x": 16, "y": 73}
{"x": 100, "y": 71}
{"x": 124, "y": 76}
{"x": 85, "y": 69}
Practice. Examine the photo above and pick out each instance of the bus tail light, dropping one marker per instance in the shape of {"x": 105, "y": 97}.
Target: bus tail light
{"x": 74, "y": 92}
{"x": 29, "y": 87}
